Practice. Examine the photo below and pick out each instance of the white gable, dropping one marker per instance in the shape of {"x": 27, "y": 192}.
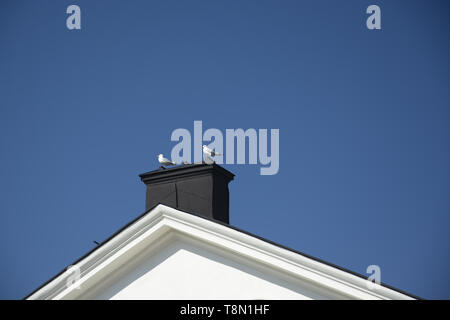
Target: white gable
{"x": 169, "y": 254}
{"x": 186, "y": 269}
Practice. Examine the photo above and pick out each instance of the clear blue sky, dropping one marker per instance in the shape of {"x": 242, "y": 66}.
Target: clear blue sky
{"x": 363, "y": 116}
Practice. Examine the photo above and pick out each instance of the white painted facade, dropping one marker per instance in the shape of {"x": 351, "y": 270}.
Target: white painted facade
{"x": 170, "y": 254}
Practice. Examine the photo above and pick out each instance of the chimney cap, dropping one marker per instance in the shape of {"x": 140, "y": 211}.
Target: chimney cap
{"x": 184, "y": 171}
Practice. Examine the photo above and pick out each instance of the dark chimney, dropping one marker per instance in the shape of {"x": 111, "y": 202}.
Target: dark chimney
{"x": 196, "y": 188}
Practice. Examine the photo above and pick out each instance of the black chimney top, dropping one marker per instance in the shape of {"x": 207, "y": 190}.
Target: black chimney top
{"x": 197, "y": 188}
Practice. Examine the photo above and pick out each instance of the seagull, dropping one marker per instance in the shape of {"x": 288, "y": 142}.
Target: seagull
{"x": 209, "y": 152}
{"x": 164, "y": 161}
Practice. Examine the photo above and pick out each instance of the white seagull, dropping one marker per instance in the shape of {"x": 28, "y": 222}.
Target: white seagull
{"x": 210, "y": 152}
{"x": 165, "y": 161}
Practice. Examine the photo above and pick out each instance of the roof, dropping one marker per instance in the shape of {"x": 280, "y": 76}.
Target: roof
{"x": 160, "y": 211}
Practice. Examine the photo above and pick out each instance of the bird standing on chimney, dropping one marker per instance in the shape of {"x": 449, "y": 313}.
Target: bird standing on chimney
{"x": 165, "y": 161}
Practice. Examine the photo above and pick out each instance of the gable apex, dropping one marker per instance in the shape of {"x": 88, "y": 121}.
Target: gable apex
{"x": 196, "y": 238}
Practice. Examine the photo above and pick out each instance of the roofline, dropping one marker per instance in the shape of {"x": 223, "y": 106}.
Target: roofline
{"x": 226, "y": 225}
{"x": 91, "y": 251}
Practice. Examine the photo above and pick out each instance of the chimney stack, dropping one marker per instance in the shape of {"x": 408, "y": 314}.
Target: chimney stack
{"x": 196, "y": 188}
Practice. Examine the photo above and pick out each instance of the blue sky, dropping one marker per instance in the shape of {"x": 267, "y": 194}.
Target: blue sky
{"x": 363, "y": 118}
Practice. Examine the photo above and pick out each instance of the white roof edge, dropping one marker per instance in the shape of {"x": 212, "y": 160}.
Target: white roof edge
{"x": 163, "y": 218}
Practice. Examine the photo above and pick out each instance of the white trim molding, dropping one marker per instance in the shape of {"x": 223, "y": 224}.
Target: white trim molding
{"x": 163, "y": 224}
